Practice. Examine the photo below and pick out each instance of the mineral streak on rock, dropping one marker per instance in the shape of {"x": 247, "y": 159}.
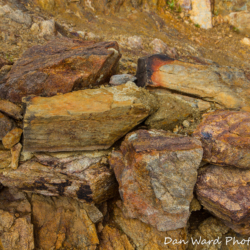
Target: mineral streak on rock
{"x": 86, "y": 119}
{"x": 225, "y": 137}
{"x": 60, "y": 66}
{"x": 156, "y": 172}
{"x": 228, "y": 87}
{"x": 224, "y": 191}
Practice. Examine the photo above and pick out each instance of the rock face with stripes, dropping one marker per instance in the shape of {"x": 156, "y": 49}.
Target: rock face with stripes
{"x": 156, "y": 172}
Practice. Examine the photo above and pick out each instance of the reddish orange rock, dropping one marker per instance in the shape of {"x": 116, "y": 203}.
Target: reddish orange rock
{"x": 225, "y": 137}
{"x": 60, "y": 66}
{"x": 225, "y": 192}
{"x": 156, "y": 172}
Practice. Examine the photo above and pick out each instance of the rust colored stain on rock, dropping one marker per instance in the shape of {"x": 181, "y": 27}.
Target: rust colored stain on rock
{"x": 60, "y": 66}
{"x": 225, "y": 137}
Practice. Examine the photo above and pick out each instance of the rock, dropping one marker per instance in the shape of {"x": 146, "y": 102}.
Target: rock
{"x": 78, "y": 176}
{"x": 241, "y": 20}
{"x": 35, "y": 28}
{"x": 185, "y": 4}
{"x": 48, "y": 28}
{"x": 4, "y": 71}
{"x": 144, "y": 236}
{"x": 209, "y": 230}
{"x": 5, "y": 159}
{"x": 20, "y": 17}
{"x": 16, "y": 229}
{"x": 224, "y": 192}
{"x": 186, "y": 124}
{"x": 135, "y": 42}
{"x": 11, "y": 109}
{"x": 227, "y": 86}
{"x": 60, "y": 66}
{"x": 12, "y": 138}
{"x": 6, "y": 124}
{"x": 15, "y": 155}
{"x": 159, "y": 47}
{"x": 225, "y": 138}
{"x": 171, "y": 112}
{"x": 3, "y": 62}
{"x": 224, "y": 8}
{"x": 156, "y": 172}
{"x": 245, "y": 41}
{"x": 85, "y": 120}
{"x": 121, "y": 79}
{"x": 62, "y": 223}
{"x": 201, "y": 13}
{"x": 5, "y": 10}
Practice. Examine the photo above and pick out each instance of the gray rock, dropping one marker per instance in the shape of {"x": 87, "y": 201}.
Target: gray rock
{"x": 121, "y": 79}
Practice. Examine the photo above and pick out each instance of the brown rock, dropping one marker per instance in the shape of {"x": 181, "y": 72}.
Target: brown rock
{"x": 62, "y": 223}
{"x": 85, "y": 120}
{"x": 6, "y": 124}
{"x": 78, "y": 176}
{"x": 11, "y": 109}
{"x": 15, "y": 155}
{"x": 228, "y": 87}
{"x": 4, "y": 62}
{"x": 224, "y": 192}
{"x": 5, "y": 159}
{"x": 159, "y": 47}
{"x": 60, "y": 66}
{"x": 157, "y": 172}
{"x": 12, "y": 138}
{"x": 16, "y": 229}
{"x": 225, "y": 137}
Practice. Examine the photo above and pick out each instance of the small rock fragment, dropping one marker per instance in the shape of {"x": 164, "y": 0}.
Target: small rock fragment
{"x": 135, "y": 42}
{"x": 245, "y": 41}
{"x": 15, "y": 155}
{"x": 121, "y": 79}
{"x": 159, "y": 47}
{"x": 12, "y": 138}
{"x": 48, "y": 28}
{"x": 6, "y": 124}
{"x": 186, "y": 124}
{"x": 11, "y": 109}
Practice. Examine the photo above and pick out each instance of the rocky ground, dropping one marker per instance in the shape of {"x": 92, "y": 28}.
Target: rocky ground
{"x": 124, "y": 125}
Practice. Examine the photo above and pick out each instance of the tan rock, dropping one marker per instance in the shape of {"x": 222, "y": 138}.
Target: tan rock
{"x": 48, "y": 28}
{"x": 78, "y": 176}
{"x": 12, "y": 138}
{"x": 85, "y": 120}
{"x": 228, "y": 87}
{"x": 245, "y": 41}
{"x": 5, "y": 159}
{"x": 156, "y": 172}
{"x": 62, "y": 223}
{"x": 240, "y": 20}
{"x": 15, "y": 155}
{"x": 11, "y": 109}
{"x": 160, "y": 47}
{"x": 225, "y": 137}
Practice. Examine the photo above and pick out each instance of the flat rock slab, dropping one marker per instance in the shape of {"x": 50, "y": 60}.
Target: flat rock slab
{"x": 156, "y": 172}
{"x": 60, "y": 66}
{"x": 225, "y": 192}
{"x": 225, "y": 137}
{"x": 85, "y": 120}
{"x": 228, "y": 87}
{"x": 81, "y": 177}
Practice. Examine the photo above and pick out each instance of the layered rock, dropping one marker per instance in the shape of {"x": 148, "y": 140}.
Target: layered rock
{"x": 224, "y": 191}
{"x": 157, "y": 172}
{"x": 85, "y": 120}
{"x": 86, "y": 178}
{"x": 227, "y": 86}
{"x": 60, "y": 66}
{"x": 225, "y": 137}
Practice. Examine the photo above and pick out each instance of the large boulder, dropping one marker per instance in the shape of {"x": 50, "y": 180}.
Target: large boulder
{"x": 85, "y": 178}
{"x": 60, "y": 66}
{"x": 156, "y": 172}
{"x": 225, "y": 192}
{"x": 86, "y": 119}
{"x": 225, "y": 137}
{"x": 228, "y": 87}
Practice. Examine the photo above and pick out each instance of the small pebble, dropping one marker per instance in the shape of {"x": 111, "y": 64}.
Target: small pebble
{"x": 186, "y": 124}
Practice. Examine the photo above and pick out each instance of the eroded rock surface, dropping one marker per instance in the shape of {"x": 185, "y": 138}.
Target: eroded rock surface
{"x": 224, "y": 191}
{"x": 225, "y": 137}
{"x": 60, "y": 66}
{"x": 11, "y": 109}
{"x": 6, "y": 124}
{"x": 157, "y": 172}
{"x": 86, "y": 119}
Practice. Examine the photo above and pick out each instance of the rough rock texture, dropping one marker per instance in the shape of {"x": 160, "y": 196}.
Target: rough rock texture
{"x": 142, "y": 236}
{"x": 16, "y": 230}
{"x": 11, "y": 109}
{"x": 172, "y": 110}
{"x": 226, "y": 7}
{"x": 159, "y": 47}
{"x": 60, "y": 66}
{"x": 12, "y": 138}
{"x": 85, "y": 120}
{"x": 78, "y": 176}
{"x": 241, "y": 20}
{"x": 157, "y": 172}
{"x": 225, "y": 137}
{"x": 121, "y": 79}
{"x": 3, "y": 62}
{"x": 224, "y": 191}
{"x": 62, "y": 223}
{"x": 15, "y": 155}
{"x": 228, "y": 87}
{"x": 5, "y": 159}
{"x": 6, "y": 124}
